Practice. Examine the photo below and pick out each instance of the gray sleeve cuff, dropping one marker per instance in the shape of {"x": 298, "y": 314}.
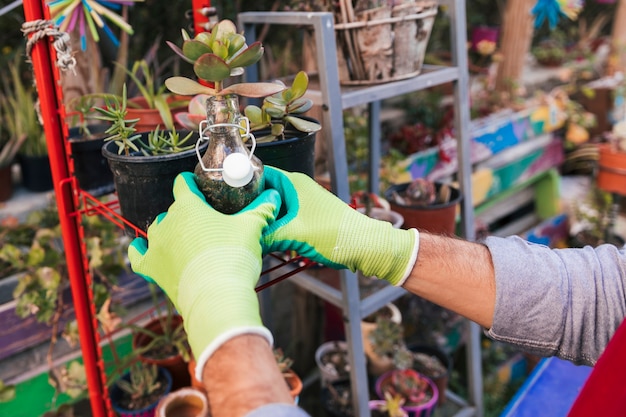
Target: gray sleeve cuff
{"x": 564, "y": 302}
{"x": 278, "y": 410}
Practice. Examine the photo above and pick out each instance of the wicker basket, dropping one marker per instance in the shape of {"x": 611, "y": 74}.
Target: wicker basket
{"x": 385, "y": 44}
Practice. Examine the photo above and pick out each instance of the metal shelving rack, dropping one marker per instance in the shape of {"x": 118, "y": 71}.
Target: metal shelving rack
{"x": 334, "y": 98}
{"x": 70, "y": 198}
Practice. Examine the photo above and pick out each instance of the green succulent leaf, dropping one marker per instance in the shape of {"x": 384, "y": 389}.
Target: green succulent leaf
{"x": 254, "y": 114}
{"x": 303, "y": 125}
{"x": 249, "y": 56}
{"x": 278, "y": 129}
{"x": 185, "y": 34}
{"x": 194, "y": 49}
{"x": 237, "y": 42}
{"x": 253, "y": 90}
{"x": 204, "y": 37}
{"x": 187, "y": 87}
{"x": 300, "y": 105}
{"x": 178, "y": 51}
{"x": 299, "y": 86}
{"x": 220, "y": 49}
{"x": 276, "y": 101}
{"x": 275, "y": 112}
{"x": 209, "y": 67}
{"x": 266, "y": 139}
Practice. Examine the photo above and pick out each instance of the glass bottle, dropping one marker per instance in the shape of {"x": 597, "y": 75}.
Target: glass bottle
{"x": 228, "y": 174}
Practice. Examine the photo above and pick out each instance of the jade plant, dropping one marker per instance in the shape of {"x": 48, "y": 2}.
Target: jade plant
{"x": 283, "y": 109}
{"x": 216, "y": 56}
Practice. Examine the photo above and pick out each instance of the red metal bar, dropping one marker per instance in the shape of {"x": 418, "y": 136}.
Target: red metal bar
{"x": 50, "y": 96}
{"x": 200, "y": 18}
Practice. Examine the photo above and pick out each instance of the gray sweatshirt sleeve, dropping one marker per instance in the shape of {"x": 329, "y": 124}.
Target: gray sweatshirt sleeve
{"x": 563, "y": 302}
{"x": 278, "y": 410}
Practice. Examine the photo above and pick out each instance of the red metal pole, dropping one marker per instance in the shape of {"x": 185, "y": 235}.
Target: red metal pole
{"x": 50, "y": 96}
{"x": 200, "y": 17}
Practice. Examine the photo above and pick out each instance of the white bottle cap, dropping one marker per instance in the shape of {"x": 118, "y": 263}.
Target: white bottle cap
{"x": 237, "y": 170}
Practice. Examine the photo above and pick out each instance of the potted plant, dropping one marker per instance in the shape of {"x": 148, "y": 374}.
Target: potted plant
{"x": 291, "y": 378}
{"x": 21, "y": 121}
{"x": 86, "y": 137}
{"x": 285, "y": 138}
{"x": 593, "y": 220}
{"x": 184, "y": 402}
{"x": 391, "y": 406}
{"x": 163, "y": 342}
{"x": 143, "y": 165}
{"x": 336, "y": 398}
{"x": 611, "y": 175}
{"x": 332, "y": 360}
{"x": 382, "y": 338}
{"x": 418, "y": 392}
{"x": 425, "y": 205}
{"x": 153, "y": 106}
{"x": 9, "y": 147}
{"x": 138, "y": 391}
{"x": 434, "y": 364}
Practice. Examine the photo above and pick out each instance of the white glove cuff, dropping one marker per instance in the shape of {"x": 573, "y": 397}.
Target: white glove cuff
{"x": 412, "y": 259}
{"x": 223, "y": 338}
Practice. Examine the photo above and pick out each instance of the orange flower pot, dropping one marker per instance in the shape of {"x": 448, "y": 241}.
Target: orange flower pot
{"x": 612, "y": 169}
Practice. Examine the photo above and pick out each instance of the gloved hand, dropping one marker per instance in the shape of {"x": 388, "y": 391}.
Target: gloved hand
{"x": 323, "y": 228}
{"x": 208, "y": 264}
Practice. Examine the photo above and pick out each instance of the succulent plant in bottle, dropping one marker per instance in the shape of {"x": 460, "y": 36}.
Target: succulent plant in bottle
{"x": 228, "y": 174}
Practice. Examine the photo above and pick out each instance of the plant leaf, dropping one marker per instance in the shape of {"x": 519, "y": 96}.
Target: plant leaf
{"x": 194, "y": 49}
{"x": 249, "y": 56}
{"x": 303, "y": 125}
{"x": 210, "y": 67}
{"x": 254, "y": 90}
{"x": 299, "y": 86}
{"x": 187, "y": 87}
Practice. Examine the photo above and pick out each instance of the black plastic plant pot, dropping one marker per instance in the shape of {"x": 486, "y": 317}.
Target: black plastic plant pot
{"x": 144, "y": 183}
{"x": 294, "y": 154}
{"x": 36, "y": 174}
{"x": 90, "y": 166}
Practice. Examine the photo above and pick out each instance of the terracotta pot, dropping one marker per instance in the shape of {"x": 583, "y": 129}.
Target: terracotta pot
{"x": 6, "y": 183}
{"x": 185, "y": 402}
{"x": 612, "y": 169}
{"x": 149, "y": 119}
{"x": 436, "y": 218}
{"x": 295, "y": 384}
{"x": 195, "y": 382}
{"x": 378, "y": 365}
{"x": 174, "y": 364}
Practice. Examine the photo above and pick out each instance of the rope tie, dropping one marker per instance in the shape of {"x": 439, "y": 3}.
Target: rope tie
{"x": 61, "y": 41}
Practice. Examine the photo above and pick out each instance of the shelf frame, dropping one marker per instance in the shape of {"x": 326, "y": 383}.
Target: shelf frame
{"x": 333, "y": 99}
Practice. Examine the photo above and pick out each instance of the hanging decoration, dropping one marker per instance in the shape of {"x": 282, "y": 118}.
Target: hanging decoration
{"x": 90, "y": 16}
{"x": 552, "y": 10}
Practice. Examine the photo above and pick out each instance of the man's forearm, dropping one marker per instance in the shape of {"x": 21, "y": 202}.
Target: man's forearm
{"x": 457, "y": 275}
{"x": 242, "y": 375}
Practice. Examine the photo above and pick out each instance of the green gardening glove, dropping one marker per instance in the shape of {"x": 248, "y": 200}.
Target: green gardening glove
{"x": 208, "y": 264}
{"x": 318, "y": 225}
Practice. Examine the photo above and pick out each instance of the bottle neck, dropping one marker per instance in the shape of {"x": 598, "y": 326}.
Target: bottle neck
{"x": 223, "y": 110}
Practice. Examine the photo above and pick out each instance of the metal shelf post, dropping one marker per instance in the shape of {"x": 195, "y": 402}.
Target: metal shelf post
{"x": 335, "y": 98}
